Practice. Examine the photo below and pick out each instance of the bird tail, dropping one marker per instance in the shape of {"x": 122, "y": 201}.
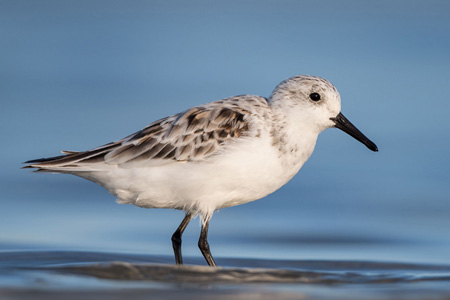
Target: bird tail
{"x": 71, "y": 161}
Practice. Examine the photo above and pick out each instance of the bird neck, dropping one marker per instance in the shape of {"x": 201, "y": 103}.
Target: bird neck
{"x": 294, "y": 137}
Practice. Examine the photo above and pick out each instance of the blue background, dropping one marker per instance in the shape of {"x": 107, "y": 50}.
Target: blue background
{"x": 78, "y": 74}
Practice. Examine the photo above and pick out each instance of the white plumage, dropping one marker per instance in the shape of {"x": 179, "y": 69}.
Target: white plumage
{"x": 216, "y": 155}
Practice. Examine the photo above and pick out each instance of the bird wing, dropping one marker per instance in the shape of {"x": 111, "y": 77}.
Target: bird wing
{"x": 192, "y": 135}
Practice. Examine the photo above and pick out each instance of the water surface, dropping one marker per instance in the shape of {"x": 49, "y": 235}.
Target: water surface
{"x": 52, "y": 274}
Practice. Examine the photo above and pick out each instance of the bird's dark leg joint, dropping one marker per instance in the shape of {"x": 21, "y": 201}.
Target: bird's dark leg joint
{"x": 176, "y": 244}
{"x": 204, "y": 246}
{"x": 176, "y": 239}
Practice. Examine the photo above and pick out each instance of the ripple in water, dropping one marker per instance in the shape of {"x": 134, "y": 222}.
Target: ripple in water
{"x": 53, "y": 274}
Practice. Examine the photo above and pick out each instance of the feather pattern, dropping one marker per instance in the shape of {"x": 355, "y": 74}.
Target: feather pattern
{"x": 192, "y": 135}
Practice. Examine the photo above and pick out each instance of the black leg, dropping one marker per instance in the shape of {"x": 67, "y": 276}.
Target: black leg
{"x": 204, "y": 246}
{"x": 176, "y": 238}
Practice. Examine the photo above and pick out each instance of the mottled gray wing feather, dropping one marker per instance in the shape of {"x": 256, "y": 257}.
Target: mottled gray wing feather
{"x": 188, "y": 136}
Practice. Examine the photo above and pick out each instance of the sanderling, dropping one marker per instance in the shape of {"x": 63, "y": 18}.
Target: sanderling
{"x": 216, "y": 155}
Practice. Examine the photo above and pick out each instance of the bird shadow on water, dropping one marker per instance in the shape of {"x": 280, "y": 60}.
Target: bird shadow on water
{"x": 50, "y": 272}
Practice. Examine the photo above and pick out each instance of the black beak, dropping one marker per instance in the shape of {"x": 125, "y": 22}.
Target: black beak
{"x": 345, "y": 125}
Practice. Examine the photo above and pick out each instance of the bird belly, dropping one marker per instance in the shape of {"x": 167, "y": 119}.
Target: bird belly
{"x": 242, "y": 173}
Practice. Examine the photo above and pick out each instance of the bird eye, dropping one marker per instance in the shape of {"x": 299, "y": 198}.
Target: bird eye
{"x": 314, "y": 96}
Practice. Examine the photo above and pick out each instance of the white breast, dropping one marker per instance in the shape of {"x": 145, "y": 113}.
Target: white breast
{"x": 244, "y": 171}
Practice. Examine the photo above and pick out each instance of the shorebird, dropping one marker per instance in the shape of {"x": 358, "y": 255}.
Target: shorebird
{"x": 221, "y": 154}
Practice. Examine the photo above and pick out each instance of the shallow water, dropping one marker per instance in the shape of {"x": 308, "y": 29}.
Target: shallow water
{"x": 51, "y": 274}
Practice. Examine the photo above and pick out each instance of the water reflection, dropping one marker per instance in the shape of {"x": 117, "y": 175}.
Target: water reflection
{"x": 98, "y": 274}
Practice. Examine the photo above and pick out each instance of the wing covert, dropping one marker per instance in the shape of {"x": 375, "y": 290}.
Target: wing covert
{"x": 188, "y": 136}
{"x": 194, "y": 134}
